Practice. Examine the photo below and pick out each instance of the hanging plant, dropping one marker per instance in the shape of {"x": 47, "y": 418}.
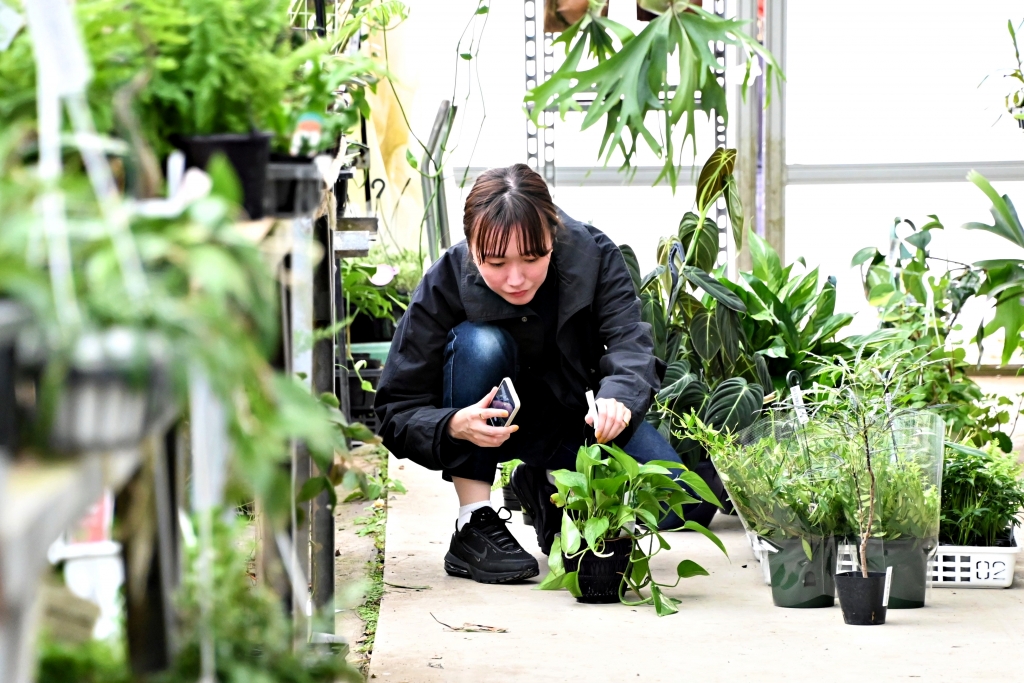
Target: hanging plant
{"x": 634, "y": 80}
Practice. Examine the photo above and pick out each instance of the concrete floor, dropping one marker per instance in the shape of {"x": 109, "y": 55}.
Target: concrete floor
{"x": 727, "y": 628}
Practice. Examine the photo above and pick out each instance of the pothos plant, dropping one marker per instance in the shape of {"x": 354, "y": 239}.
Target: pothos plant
{"x": 669, "y": 69}
{"x": 696, "y": 321}
{"x": 611, "y": 496}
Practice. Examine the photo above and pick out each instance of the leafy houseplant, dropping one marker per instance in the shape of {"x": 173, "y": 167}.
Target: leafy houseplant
{"x": 790, "y": 320}
{"x": 637, "y": 78}
{"x": 782, "y": 477}
{"x": 982, "y": 494}
{"x": 696, "y": 323}
{"x": 602, "y": 555}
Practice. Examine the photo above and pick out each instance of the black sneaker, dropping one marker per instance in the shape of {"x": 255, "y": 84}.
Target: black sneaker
{"x": 534, "y": 491}
{"x": 485, "y": 551}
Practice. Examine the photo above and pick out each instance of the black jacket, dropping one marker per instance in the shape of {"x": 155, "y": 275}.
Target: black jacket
{"x": 604, "y": 345}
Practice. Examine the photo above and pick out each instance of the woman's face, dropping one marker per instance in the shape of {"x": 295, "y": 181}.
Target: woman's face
{"x": 514, "y": 277}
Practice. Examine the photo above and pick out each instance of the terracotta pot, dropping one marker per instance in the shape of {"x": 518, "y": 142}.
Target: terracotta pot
{"x": 561, "y": 14}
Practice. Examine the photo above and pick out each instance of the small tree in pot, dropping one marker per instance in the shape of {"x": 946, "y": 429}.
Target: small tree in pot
{"x": 612, "y": 506}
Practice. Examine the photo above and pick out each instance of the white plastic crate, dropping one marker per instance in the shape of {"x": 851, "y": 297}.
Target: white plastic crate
{"x": 957, "y": 566}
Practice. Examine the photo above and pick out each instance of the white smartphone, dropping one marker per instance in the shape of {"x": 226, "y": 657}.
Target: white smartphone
{"x": 506, "y": 399}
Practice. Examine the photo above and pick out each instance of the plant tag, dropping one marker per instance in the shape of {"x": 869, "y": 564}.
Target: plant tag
{"x": 60, "y": 56}
{"x": 888, "y": 582}
{"x": 888, "y": 403}
{"x": 798, "y": 405}
{"x": 10, "y": 23}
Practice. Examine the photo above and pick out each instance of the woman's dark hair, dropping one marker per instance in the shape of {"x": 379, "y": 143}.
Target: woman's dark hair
{"x": 507, "y": 201}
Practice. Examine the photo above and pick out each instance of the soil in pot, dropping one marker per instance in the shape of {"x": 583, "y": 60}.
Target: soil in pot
{"x": 600, "y": 577}
{"x": 862, "y": 599}
{"x": 703, "y": 512}
{"x": 908, "y": 558}
{"x": 801, "y": 582}
{"x": 248, "y": 155}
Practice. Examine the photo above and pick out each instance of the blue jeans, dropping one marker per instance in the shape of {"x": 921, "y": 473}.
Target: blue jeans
{"x": 476, "y": 358}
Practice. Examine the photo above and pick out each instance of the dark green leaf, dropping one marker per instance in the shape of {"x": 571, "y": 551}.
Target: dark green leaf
{"x": 700, "y": 244}
{"x": 632, "y": 265}
{"x": 699, "y": 487}
{"x": 312, "y": 488}
{"x": 713, "y": 288}
{"x": 729, "y": 331}
{"x": 733, "y": 404}
{"x": 704, "y": 335}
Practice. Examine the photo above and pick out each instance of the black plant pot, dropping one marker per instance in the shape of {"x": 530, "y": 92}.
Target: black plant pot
{"x": 908, "y": 558}
{"x": 12, "y": 317}
{"x": 511, "y": 500}
{"x": 248, "y": 155}
{"x": 862, "y": 598}
{"x": 702, "y": 513}
{"x": 293, "y": 187}
{"x": 801, "y": 582}
{"x": 600, "y": 577}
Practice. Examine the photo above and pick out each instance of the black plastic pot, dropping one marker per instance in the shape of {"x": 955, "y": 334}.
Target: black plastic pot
{"x": 248, "y": 155}
{"x": 801, "y": 582}
{"x": 293, "y": 187}
{"x": 908, "y": 558}
{"x": 510, "y": 499}
{"x": 600, "y": 577}
{"x": 702, "y": 513}
{"x": 12, "y": 317}
{"x": 862, "y": 598}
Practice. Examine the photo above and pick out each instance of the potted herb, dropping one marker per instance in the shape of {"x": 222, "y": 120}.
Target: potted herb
{"x": 612, "y": 506}
{"x": 982, "y": 494}
{"x": 781, "y": 476}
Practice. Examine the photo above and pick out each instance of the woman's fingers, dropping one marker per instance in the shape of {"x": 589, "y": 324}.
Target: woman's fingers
{"x": 612, "y": 417}
{"x": 486, "y": 400}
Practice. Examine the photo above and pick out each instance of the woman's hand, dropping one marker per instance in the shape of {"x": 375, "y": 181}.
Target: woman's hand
{"x": 612, "y": 417}
{"x": 470, "y": 424}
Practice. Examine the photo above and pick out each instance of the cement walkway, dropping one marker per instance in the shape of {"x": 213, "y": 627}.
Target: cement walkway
{"x": 727, "y": 628}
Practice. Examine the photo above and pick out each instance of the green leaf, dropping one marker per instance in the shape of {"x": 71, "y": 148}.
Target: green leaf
{"x": 483, "y": 10}
{"x": 699, "y": 487}
{"x": 700, "y": 244}
{"x": 224, "y": 180}
{"x": 714, "y": 176}
{"x": 715, "y": 289}
{"x": 704, "y": 335}
{"x": 767, "y": 266}
{"x": 689, "y": 568}
{"x": 411, "y": 160}
{"x": 570, "y": 479}
{"x": 632, "y": 265}
{"x": 465, "y": 55}
{"x": 1007, "y": 225}
{"x": 735, "y": 207}
{"x": 694, "y": 526}
{"x": 920, "y": 239}
{"x": 663, "y": 605}
{"x": 729, "y": 329}
{"x": 570, "y": 534}
{"x": 807, "y": 549}
{"x": 733, "y": 404}
{"x": 594, "y": 529}
{"x": 864, "y": 255}
{"x": 312, "y": 488}
{"x": 1010, "y": 317}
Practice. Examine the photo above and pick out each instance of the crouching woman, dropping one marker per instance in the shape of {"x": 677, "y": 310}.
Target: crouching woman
{"x": 542, "y": 299}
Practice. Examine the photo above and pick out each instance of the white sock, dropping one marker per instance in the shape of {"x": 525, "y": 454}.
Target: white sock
{"x": 466, "y": 511}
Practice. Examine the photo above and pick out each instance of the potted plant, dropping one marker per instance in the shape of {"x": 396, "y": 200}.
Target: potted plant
{"x": 680, "y": 36}
{"x": 696, "y": 323}
{"x": 982, "y": 494}
{"x": 781, "y": 476}
{"x": 612, "y": 506}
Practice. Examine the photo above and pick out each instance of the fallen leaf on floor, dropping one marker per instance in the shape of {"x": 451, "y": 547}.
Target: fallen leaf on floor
{"x": 411, "y": 588}
{"x": 471, "y": 628}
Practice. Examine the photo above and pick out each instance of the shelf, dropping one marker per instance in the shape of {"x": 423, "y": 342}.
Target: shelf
{"x": 39, "y": 500}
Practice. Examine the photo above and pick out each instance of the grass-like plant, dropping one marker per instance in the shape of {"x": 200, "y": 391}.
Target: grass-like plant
{"x": 982, "y": 494}
{"x": 611, "y": 496}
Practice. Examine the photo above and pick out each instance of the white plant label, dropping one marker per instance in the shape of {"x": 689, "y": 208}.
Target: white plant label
{"x": 10, "y": 23}
{"x": 798, "y": 404}
{"x": 888, "y": 582}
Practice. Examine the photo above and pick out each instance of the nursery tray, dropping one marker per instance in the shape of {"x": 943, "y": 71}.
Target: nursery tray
{"x": 962, "y": 566}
